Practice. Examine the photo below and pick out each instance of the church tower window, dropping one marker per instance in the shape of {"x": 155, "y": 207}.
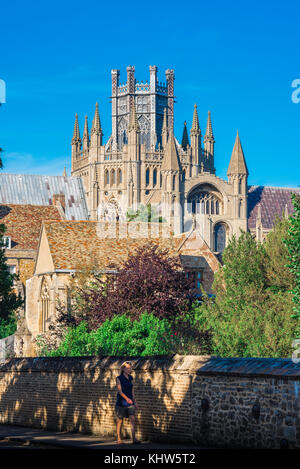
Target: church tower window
{"x": 147, "y": 176}
{"x": 113, "y": 177}
{"x": 119, "y": 176}
{"x": 154, "y": 177}
{"x": 106, "y": 177}
{"x": 204, "y": 202}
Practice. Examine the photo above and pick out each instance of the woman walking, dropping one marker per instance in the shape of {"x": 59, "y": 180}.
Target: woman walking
{"x": 126, "y": 404}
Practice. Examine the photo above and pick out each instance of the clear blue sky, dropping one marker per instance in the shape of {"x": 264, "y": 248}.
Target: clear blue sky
{"x": 236, "y": 59}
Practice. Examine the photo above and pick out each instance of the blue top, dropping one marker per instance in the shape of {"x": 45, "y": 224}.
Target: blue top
{"x": 126, "y": 385}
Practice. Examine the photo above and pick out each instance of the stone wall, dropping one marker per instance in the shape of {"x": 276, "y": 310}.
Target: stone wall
{"x": 211, "y": 401}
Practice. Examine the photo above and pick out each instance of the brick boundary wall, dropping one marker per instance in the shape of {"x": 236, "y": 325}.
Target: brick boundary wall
{"x": 218, "y": 402}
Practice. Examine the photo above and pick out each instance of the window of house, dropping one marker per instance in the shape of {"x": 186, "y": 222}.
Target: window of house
{"x": 7, "y": 242}
{"x": 12, "y": 269}
{"x": 196, "y": 277}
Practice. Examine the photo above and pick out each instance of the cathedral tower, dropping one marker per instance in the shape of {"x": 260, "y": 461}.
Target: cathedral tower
{"x": 142, "y": 162}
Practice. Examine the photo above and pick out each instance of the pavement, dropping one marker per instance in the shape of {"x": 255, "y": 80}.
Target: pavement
{"x": 30, "y": 437}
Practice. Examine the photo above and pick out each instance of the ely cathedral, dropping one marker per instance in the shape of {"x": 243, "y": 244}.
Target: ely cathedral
{"x": 143, "y": 162}
{"x": 58, "y": 224}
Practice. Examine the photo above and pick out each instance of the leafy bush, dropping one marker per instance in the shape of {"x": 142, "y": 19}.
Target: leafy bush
{"x": 9, "y": 301}
{"x": 119, "y": 336}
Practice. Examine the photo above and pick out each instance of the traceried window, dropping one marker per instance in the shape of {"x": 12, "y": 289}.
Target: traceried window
{"x": 122, "y": 133}
{"x": 220, "y": 237}
{"x": 205, "y": 203}
{"x": 144, "y": 125}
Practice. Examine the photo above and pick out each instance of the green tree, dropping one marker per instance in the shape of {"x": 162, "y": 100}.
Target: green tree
{"x": 278, "y": 276}
{"x": 292, "y": 242}
{"x": 145, "y": 213}
{"x": 9, "y": 301}
{"x": 250, "y": 315}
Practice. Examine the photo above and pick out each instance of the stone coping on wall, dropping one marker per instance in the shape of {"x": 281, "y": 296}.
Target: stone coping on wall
{"x": 280, "y": 368}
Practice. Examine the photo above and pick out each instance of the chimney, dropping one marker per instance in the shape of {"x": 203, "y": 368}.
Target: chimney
{"x": 59, "y": 200}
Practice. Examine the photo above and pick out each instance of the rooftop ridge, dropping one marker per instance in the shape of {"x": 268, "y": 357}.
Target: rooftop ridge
{"x": 275, "y": 187}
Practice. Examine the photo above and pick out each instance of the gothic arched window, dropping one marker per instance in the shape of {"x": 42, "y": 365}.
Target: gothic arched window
{"x": 220, "y": 237}
{"x": 204, "y": 202}
{"x": 122, "y": 133}
{"x": 119, "y": 176}
{"x": 174, "y": 183}
{"x": 112, "y": 177}
{"x": 147, "y": 176}
{"x": 154, "y": 177}
{"x": 144, "y": 125}
{"x": 106, "y": 177}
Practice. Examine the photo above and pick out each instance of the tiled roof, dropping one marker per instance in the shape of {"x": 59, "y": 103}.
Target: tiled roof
{"x": 272, "y": 201}
{"x": 72, "y": 243}
{"x": 39, "y": 190}
{"x": 23, "y": 223}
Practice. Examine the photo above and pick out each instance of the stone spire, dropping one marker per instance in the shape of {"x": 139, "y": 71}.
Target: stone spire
{"x": 76, "y": 143}
{"x": 164, "y": 132}
{"x": 185, "y": 138}
{"x": 237, "y": 163}
{"x": 209, "y": 131}
{"x": 134, "y": 147}
{"x": 86, "y": 128}
{"x": 65, "y": 172}
{"x": 130, "y": 174}
{"x": 133, "y": 122}
{"x": 130, "y": 185}
{"x": 96, "y": 126}
{"x": 170, "y": 161}
{"x": 209, "y": 143}
{"x": 96, "y": 130}
{"x": 86, "y": 138}
{"x": 195, "y": 143}
{"x": 76, "y": 134}
{"x": 195, "y": 130}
